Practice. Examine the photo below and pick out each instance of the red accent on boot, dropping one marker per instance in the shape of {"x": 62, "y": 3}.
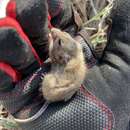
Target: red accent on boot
{"x": 100, "y": 104}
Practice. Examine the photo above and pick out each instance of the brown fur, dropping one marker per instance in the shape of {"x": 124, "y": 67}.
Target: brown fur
{"x": 68, "y": 68}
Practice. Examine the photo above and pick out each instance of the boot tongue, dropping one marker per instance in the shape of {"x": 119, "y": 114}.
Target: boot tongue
{"x": 3, "y": 4}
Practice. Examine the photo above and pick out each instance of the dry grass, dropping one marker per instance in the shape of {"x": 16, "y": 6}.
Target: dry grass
{"x": 99, "y": 34}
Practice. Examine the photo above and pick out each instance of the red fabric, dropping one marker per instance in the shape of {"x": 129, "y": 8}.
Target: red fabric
{"x": 10, "y": 22}
{"x": 10, "y": 71}
{"x": 11, "y": 9}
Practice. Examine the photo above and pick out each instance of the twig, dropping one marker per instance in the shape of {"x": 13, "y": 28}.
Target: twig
{"x": 93, "y": 7}
{"x": 89, "y": 28}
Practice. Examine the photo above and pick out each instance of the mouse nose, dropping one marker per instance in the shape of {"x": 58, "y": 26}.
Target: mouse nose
{"x": 50, "y": 38}
{"x": 50, "y": 42}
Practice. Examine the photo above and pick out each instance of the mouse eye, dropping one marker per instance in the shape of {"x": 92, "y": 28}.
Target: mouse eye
{"x": 60, "y": 42}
